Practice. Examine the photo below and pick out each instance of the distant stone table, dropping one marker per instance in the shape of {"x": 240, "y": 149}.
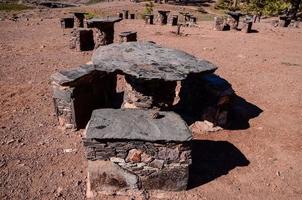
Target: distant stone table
{"x": 163, "y": 14}
{"x": 234, "y": 21}
{"x": 126, "y": 14}
{"x": 131, "y": 149}
{"x": 128, "y": 36}
{"x": 105, "y": 30}
{"x": 186, "y": 15}
{"x": 67, "y": 22}
{"x": 149, "y": 18}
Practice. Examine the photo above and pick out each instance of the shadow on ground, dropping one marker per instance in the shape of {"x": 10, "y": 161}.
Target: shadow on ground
{"x": 212, "y": 159}
{"x": 241, "y": 112}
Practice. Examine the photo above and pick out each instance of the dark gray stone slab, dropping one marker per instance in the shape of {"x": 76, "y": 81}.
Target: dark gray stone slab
{"x": 135, "y": 124}
{"x": 149, "y": 61}
{"x": 69, "y": 75}
{"x": 101, "y": 21}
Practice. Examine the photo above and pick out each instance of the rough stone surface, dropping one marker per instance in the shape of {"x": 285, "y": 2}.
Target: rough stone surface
{"x": 173, "y": 179}
{"x": 109, "y": 177}
{"x": 134, "y": 155}
{"x": 153, "y": 168}
{"x": 149, "y": 61}
{"x": 134, "y": 124}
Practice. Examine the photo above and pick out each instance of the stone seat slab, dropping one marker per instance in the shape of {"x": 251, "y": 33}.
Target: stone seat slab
{"x": 136, "y": 124}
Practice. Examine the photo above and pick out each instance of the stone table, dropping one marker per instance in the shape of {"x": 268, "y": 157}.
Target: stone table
{"x": 67, "y": 22}
{"x": 150, "y": 71}
{"x": 132, "y": 149}
{"x": 186, "y": 15}
{"x": 163, "y": 14}
{"x": 234, "y": 21}
{"x": 104, "y": 29}
{"x": 149, "y": 18}
{"x": 147, "y": 72}
{"x": 126, "y": 14}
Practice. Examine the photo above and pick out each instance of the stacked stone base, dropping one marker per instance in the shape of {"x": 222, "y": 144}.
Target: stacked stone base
{"x": 121, "y": 166}
{"x": 82, "y": 39}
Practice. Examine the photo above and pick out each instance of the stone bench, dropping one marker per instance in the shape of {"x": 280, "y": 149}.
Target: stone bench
{"x": 128, "y": 36}
{"x": 132, "y": 149}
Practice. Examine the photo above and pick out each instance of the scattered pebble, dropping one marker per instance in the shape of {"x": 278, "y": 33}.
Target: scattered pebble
{"x": 10, "y": 141}
{"x": 69, "y": 150}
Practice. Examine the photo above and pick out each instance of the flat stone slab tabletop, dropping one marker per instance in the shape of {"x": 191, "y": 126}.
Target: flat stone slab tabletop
{"x": 136, "y": 124}
{"x": 100, "y": 21}
{"x": 146, "y": 60}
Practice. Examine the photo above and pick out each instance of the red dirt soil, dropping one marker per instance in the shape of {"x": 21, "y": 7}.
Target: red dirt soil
{"x": 264, "y": 68}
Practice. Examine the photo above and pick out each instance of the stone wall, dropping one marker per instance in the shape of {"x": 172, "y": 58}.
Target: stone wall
{"x": 157, "y": 165}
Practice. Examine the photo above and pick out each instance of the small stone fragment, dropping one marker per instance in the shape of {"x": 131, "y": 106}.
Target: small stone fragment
{"x": 146, "y": 158}
{"x": 157, "y": 163}
{"x": 117, "y": 160}
{"x": 134, "y": 155}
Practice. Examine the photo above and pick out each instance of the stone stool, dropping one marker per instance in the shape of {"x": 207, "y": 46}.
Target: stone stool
{"x": 149, "y": 18}
{"x": 128, "y": 36}
{"x": 132, "y": 16}
{"x": 163, "y": 15}
{"x": 67, "y": 22}
{"x": 126, "y": 14}
{"x": 174, "y": 20}
{"x": 79, "y": 91}
{"x": 104, "y": 30}
{"x": 79, "y": 19}
{"x": 120, "y": 15}
{"x": 82, "y": 39}
{"x": 130, "y": 150}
